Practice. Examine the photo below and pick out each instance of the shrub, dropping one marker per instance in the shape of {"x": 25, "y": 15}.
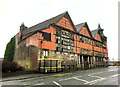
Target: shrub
{"x": 8, "y": 66}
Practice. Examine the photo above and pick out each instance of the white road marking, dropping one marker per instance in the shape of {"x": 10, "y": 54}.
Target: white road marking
{"x": 65, "y": 79}
{"x": 112, "y": 70}
{"x": 81, "y": 80}
{"x": 95, "y": 73}
{"x": 87, "y": 82}
{"x": 40, "y": 84}
{"x": 57, "y": 84}
{"x": 97, "y": 77}
{"x": 95, "y": 81}
{"x": 115, "y": 75}
{"x": 68, "y": 78}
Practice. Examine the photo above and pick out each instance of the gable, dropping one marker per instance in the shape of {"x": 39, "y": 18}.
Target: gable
{"x": 97, "y": 37}
{"x": 84, "y": 31}
{"x": 64, "y": 22}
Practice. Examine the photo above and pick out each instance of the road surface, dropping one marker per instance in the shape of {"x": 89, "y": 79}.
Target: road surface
{"x": 98, "y": 76}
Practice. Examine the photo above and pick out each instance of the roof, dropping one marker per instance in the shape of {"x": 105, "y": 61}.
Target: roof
{"x": 94, "y": 32}
{"x": 54, "y": 20}
{"x": 84, "y": 24}
{"x": 44, "y": 24}
{"x": 100, "y": 31}
{"x": 79, "y": 26}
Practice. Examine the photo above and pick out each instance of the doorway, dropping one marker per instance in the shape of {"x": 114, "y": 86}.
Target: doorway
{"x": 86, "y": 64}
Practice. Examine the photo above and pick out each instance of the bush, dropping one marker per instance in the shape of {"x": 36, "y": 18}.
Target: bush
{"x": 8, "y": 66}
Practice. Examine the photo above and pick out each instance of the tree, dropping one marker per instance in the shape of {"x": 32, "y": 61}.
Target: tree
{"x": 9, "y": 52}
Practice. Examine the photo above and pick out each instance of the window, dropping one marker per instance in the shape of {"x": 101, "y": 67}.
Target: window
{"x": 57, "y": 45}
{"x": 84, "y": 40}
{"x": 103, "y": 46}
{"x": 68, "y": 47}
{"x": 81, "y": 39}
{"x": 71, "y": 35}
{"x": 58, "y": 41}
{"x": 59, "y": 49}
{"x": 45, "y": 54}
{"x": 95, "y": 43}
{"x": 59, "y": 63}
{"x": 47, "y": 36}
{"x": 58, "y": 31}
{"x": 88, "y": 41}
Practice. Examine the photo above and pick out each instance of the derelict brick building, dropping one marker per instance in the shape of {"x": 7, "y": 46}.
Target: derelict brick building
{"x": 57, "y": 44}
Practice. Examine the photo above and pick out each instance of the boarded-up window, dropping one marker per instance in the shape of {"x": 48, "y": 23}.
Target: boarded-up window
{"x": 47, "y": 36}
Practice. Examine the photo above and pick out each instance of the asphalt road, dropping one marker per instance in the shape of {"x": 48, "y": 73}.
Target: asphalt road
{"x": 98, "y": 76}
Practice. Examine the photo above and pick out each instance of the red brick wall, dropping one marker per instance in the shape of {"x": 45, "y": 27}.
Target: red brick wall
{"x": 84, "y": 31}
{"x": 64, "y": 22}
{"x": 32, "y": 40}
{"x": 97, "y": 37}
{"x": 86, "y": 46}
{"x": 51, "y": 45}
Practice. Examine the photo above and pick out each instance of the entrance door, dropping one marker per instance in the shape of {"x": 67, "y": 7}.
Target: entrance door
{"x": 86, "y": 64}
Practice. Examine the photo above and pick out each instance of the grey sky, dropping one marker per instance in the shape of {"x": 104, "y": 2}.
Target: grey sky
{"x": 31, "y": 12}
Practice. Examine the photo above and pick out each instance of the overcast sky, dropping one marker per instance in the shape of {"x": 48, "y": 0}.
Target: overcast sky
{"x": 31, "y": 12}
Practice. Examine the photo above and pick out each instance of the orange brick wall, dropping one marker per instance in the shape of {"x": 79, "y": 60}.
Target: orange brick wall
{"x": 86, "y": 46}
{"x": 85, "y": 32}
{"x": 76, "y": 50}
{"x": 49, "y": 45}
{"x": 50, "y": 30}
{"x": 97, "y": 49}
{"x": 97, "y": 37}
{"x": 64, "y": 22}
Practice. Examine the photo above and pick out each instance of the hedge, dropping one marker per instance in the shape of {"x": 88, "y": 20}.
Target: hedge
{"x": 8, "y": 66}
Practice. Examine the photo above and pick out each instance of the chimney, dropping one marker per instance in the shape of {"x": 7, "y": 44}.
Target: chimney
{"x": 22, "y": 27}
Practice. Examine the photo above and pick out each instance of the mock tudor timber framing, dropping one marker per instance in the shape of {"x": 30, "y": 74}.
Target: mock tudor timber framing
{"x": 42, "y": 46}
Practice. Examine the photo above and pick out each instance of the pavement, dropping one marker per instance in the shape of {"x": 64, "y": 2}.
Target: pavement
{"x": 98, "y": 76}
{"x": 34, "y": 75}
{"x": 20, "y": 77}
